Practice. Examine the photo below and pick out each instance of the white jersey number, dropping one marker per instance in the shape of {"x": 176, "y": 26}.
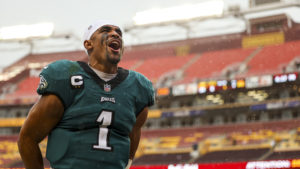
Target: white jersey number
{"x": 105, "y": 119}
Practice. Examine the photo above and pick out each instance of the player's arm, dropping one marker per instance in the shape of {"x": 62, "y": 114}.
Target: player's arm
{"x": 42, "y": 118}
{"x": 135, "y": 134}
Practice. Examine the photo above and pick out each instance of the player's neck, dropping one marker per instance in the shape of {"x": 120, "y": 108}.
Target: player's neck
{"x": 110, "y": 69}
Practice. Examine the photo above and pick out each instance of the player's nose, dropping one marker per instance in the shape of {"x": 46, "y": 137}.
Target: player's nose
{"x": 114, "y": 34}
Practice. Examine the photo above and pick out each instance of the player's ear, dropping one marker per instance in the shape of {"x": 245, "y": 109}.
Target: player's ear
{"x": 88, "y": 45}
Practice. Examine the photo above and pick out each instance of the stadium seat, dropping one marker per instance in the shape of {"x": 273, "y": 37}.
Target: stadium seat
{"x": 212, "y": 64}
{"x": 273, "y": 59}
{"x": 154, "y": 68}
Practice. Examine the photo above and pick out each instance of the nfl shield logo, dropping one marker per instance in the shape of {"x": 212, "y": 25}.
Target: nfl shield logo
{"x": 107, "y": 88}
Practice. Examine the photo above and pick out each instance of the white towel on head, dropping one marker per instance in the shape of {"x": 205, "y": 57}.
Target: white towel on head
{"x": 93, "y": 27}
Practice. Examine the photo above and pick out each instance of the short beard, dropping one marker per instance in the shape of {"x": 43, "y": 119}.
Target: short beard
{"x": 111, "y": 60}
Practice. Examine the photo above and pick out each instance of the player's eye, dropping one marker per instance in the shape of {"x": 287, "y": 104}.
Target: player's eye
{"x": 105, "y": 29}
{"x": 119, "y": 32}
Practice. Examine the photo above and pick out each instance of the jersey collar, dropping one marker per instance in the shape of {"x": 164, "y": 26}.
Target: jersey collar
{"x": 109, "y": 85}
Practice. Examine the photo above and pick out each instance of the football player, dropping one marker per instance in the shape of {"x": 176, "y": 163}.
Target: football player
{"x": 91, "y": 112}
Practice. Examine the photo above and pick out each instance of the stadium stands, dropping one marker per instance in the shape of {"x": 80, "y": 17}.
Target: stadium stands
{"x": 226, "y": 143}
{"x": 273, "y": 59}
{"x": 155, "y": 68}
{"x": 208, "y": 65}
{"x": 292, "y": 154}
{"x": 130, "y": 63}
{"x": 25, "y": 89}
{"x": 163, "y": 158}
{"x": 212, "y": 64}
{"x": 9, "y": 154}
{"x": 253, "y": 127}
{"x": 246, "y": 141}
{"x": 232, "y": 155}
{"x": 40, "y": 60}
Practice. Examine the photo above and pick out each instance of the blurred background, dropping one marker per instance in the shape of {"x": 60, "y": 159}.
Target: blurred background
{"x": 225, "y": 72}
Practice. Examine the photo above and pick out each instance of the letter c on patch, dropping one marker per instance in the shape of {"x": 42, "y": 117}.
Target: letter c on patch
{"x": 77, "y": 80}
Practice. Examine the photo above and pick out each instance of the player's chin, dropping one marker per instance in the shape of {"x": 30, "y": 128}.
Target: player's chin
{"x": 114, "y": 61}
{"x": 114, "y": 58}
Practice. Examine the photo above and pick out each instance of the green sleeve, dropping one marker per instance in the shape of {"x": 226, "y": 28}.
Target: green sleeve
{"x": 55, "y": 79}
{"x": 146, "y": 97}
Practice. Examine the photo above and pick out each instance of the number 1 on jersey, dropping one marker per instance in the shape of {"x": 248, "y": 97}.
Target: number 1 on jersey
{"x": 105, "y": 119}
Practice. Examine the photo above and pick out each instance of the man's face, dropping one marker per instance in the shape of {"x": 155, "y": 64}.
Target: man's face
{"x": 108, "y": 44}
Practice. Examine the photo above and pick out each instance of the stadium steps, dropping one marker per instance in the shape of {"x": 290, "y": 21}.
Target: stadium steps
{"x": 215, "y": 64}
{"x": 157, "y": 68}
{"x": 190, "y": 62}
{"x": 273, "y": 59}
{"x": 184, "y": 67}
{"x": 255, "y": 52}
{"x": 243, "y": 67}
{"x": 136, "y": 65}
{"x": 266, "y": 155}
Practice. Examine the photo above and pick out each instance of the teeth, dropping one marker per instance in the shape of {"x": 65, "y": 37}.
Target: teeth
{"x": 115, "y": 45}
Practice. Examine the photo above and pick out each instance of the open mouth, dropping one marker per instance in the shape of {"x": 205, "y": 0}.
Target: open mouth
{"x": 114, "y": 45}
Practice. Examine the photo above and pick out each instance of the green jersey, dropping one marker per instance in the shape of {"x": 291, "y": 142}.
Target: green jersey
{"x": 94, "y": 130}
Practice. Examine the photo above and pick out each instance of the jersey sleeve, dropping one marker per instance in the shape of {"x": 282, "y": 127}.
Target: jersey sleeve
{"x": 146, "y": 97}
{"x": 55, "y": 79}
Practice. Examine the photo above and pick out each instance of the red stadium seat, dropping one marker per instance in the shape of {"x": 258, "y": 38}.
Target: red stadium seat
{"x": 211, "y": 64}
{"x": 273, "y": 59}
{"x": 156, "y": 67}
